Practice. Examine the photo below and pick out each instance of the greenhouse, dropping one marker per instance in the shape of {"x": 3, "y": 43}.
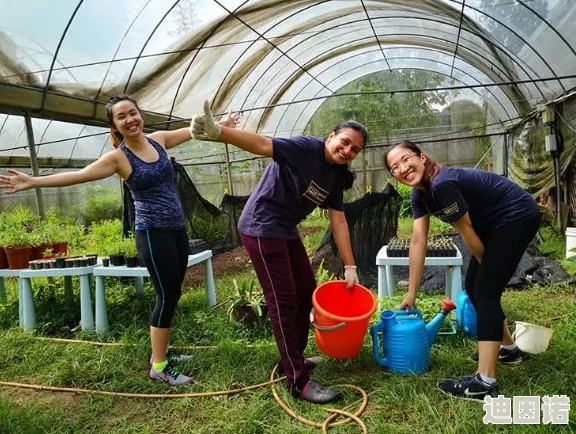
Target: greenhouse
{"x": 480, "y": 84}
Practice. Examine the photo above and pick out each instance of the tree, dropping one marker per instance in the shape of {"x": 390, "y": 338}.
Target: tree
{"x": 383, "y": 113}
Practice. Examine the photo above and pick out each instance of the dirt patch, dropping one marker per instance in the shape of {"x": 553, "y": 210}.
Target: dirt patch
{"x": 235, "y": 261}
{"x": 27, "y": 396}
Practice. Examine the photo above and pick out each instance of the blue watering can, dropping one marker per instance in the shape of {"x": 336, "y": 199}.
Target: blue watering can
{"x": 406, "y": 339}
{"x": 466, "y": 314}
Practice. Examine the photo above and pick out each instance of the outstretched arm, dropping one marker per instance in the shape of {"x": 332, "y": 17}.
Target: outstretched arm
{"x": 102, "y": 168}
{"x": 341, "y": 234}
{"x": 205, "y": 128}
{"x": 416, "y": 258}
{"x": 170, "y": 139}
{"x": 464, "y": 227}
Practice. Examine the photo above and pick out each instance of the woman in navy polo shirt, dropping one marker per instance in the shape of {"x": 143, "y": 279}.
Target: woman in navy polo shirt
{"x": 306, "y": 172}
{"x": 496, "y": 220}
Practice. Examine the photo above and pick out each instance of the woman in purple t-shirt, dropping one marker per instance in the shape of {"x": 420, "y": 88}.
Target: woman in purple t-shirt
{"x": 306, "y": 172}
{"x": 496, "y": 220}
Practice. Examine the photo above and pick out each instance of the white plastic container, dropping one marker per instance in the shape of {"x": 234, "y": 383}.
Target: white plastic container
{"x": 532, "y": 338}
{"x": 570, "y": 242}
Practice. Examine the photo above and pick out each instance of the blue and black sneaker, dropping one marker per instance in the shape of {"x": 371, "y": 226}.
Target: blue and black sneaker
{"x": 470, "y": 387}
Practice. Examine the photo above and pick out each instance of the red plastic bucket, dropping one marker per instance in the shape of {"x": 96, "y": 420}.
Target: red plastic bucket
{"x": 340, "y": 318}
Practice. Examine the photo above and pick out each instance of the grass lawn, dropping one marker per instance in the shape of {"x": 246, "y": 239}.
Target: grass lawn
{"x": 229, "y": 355}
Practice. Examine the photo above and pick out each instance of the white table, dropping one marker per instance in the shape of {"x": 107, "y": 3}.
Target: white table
{"x": 6, "y": 272}
{"x": 453, "y": 264}
{"x": 26, "y": 303}
{"x": 139, "y": 273}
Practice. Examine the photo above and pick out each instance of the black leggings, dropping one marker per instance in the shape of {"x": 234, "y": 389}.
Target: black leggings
{"x": 165, "y": 255}
{"x": 485, "y": 282}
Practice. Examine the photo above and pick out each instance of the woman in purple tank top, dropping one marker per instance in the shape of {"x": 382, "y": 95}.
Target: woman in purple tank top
{"x": 141, "y": 161}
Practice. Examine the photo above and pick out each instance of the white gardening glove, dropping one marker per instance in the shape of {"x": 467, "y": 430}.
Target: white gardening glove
{"x": 350, "y": 275}
{"x": 203, "y": 127}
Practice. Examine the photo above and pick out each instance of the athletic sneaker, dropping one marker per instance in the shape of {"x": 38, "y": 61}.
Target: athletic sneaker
{"x": 313, "y": 392}
{"x": 170, "y": 375}
{"x": 508, "y": 357}
{"x": 470, "y": 387}
{"x": 174, "y": 357}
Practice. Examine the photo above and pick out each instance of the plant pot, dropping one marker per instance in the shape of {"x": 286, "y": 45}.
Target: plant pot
{"x": 92, "y": 259}
{"x": 37, "y": 251}
{"x": 60, "y": 248}
{"x": 105, "y": 261}
{"x": 132, "y": 261}
{"x": 18, "y": 257}
{"x": 246, "y": 314}
{"x": 3, "y": 258}
{"x": 117, "y": 260}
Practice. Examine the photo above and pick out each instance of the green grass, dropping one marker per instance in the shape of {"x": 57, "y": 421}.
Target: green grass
{"x": 239, "y": 356}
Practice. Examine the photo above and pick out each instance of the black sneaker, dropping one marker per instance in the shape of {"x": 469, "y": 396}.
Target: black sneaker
{"x": 313, "y": 392}
{"x": 508, "y": 357}
{"x": 470, "y": 387}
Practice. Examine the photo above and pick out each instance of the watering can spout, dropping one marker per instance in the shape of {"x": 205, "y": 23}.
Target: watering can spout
{"x": 435, "y": 323}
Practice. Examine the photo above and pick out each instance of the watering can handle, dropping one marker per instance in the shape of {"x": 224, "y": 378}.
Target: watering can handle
{"x": 325, "y": 328}
{"x": 412, "y": 311}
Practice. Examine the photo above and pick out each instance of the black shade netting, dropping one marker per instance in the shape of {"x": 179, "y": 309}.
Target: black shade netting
{"x": 373, "y": 221}
{"x": 204, "y": 221}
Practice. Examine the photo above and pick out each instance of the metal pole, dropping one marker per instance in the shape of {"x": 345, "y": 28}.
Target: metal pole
{"x": 505, "y": 157}
{"x": 559, "y": 220}
{"x": 228, "y": 170}
{"x": 233, "y": 222}
{"x": 34, "y": 163}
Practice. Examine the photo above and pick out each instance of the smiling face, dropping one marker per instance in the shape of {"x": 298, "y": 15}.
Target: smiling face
{"x": 127, "y": 120}
{"x": 406, "y": 166}
{"x": 343, "y": 147}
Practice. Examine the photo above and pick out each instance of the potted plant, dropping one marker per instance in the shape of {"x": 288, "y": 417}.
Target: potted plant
{"x": 104, "y": 238}
{"x": 117, "y": 254}
{"x": 129, "y": 246}
{"x": 246, "y": 304}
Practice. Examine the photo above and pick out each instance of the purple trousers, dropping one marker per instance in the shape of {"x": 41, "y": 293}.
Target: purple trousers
{"x": 288, "y": 281}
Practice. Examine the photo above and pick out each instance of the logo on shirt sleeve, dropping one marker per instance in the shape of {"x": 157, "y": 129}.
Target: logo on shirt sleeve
{"x": 315, "y": 193}
{"x": 451, "y": 209}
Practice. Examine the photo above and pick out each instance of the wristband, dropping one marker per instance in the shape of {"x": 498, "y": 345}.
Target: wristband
{"x": 350, "y": 266}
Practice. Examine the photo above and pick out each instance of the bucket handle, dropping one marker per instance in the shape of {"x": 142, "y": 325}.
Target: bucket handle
{"x": 325, "y": 328}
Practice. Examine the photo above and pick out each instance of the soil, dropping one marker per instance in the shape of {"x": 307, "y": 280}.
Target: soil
{"x": 235, "y": 261}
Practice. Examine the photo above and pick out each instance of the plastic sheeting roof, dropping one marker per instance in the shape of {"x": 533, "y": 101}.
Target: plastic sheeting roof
{"x": 275, "y": 60}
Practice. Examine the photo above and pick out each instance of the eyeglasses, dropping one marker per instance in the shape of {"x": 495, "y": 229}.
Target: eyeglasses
{"x": 403, "y": 163}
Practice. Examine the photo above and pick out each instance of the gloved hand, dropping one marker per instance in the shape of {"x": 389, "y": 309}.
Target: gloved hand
{"x": 350, "y": 275}
{"x": 203, "y": 127}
